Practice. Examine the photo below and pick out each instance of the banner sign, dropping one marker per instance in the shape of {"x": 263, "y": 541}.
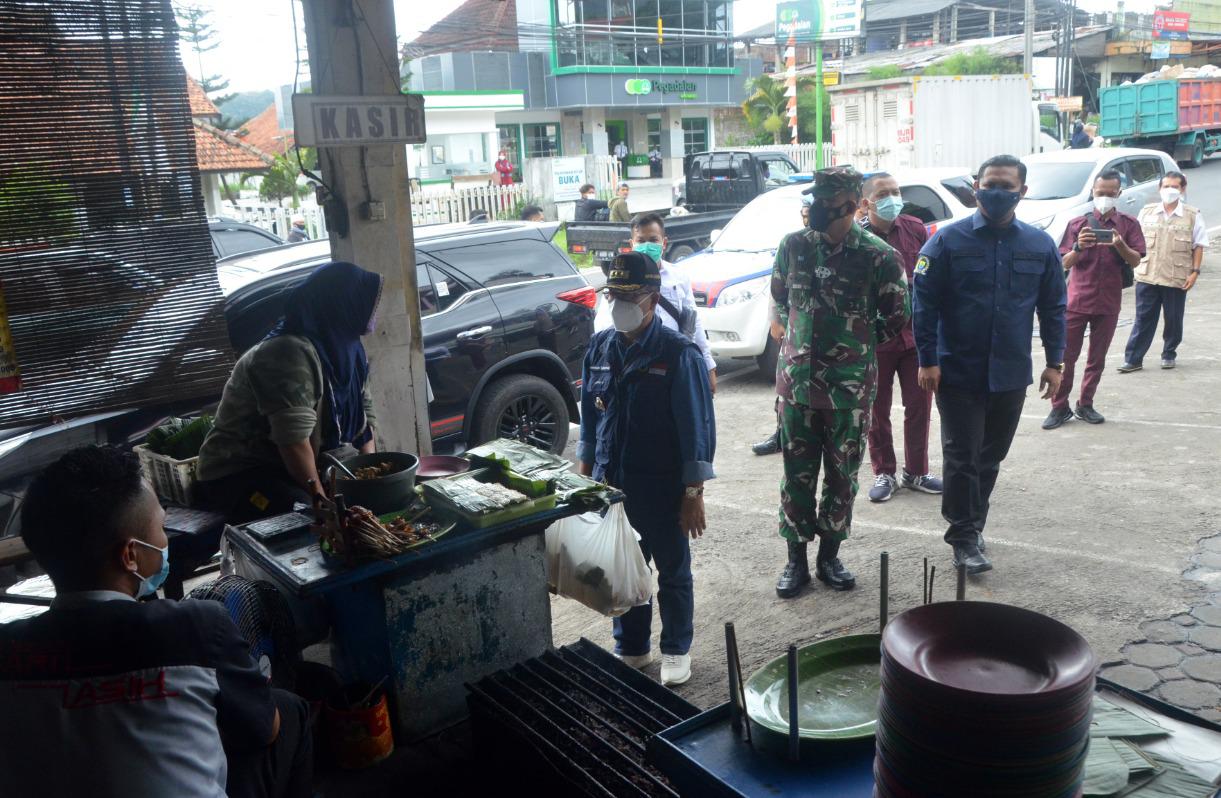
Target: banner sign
{"x": 567, "y": 175}
{"x": 1171, "y": 24}
{"x": 1159, "y": 51}
{"x": 819, "y": 20}
{"x": 10, "y": 372}
{"x": 358, "y": 120}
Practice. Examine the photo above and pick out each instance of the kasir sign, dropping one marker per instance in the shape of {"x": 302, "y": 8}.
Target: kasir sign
{"x": 639, "y": 87}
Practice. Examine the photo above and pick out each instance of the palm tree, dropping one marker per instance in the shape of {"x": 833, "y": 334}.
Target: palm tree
{"x": 767, "y": 106}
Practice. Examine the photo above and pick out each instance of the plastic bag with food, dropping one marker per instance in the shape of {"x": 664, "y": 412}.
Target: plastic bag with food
{"x": 596, "y": 560}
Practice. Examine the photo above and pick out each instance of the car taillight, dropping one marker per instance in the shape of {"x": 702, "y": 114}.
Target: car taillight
{"x": 586, "y": 296}
{"x": 625, "y": 249}
{"x": 577, "y": 249}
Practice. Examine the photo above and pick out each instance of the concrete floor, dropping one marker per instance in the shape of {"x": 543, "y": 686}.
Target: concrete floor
{"x": 1093, "y": 525}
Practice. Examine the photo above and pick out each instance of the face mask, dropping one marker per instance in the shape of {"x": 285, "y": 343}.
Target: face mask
{"x": 650, "y": 248}
{"x": 822, "y": 217}
{"x": 1170, "y": 195}
{"x": 1104, "y": 204}
{"x": 149, "y": 584}
{"x": 888, "y": 208}
{"x": 997, "y": 203}
{"x": 626, "y": 315}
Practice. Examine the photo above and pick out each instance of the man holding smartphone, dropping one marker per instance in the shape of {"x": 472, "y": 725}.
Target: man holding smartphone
{"x": 1097, "y": 248}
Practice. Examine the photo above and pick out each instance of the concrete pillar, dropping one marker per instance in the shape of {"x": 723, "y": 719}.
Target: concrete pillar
{"x": 1104, "y": 77}
{"x": 211, "y": 194}
{"x": 672, "y": 142}
{"x": 385, "y": 246}
{"x": 953, "y": 24}
{"x": 992, "y": 23}
{"x": 902, "y": 33}
{"x": 570, "y": 135}
{"x": 595, "y": 138}
{"x": 937, "y": 28}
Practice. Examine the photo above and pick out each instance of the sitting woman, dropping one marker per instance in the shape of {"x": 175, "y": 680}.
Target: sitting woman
{"x": 302, "y": 391}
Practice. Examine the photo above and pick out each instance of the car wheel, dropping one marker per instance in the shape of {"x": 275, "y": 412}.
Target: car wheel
{"x": 768, "y": 357}
{"x": 679, "y": 252}
{"x": 526, "y": 408}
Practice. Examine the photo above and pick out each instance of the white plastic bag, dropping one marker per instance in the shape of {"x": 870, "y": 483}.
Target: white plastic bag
{"x": 596, "y": 560}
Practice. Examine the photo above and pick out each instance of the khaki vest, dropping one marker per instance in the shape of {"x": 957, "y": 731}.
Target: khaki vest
{"x": 1168, "y": 244}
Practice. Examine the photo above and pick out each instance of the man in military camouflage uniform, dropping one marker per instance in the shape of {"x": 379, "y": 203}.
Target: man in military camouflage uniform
{"x": 838, "y": 291}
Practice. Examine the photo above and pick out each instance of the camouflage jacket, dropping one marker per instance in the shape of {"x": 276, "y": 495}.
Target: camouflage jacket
{"x": 835, "y": 308}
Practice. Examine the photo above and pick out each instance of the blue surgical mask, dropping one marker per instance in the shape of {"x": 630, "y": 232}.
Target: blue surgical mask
{"x": 149, "y": 584}
{"x": 888, "y": 208}
{"x": 996, "y": 203}
{"x": 650, "y": 248}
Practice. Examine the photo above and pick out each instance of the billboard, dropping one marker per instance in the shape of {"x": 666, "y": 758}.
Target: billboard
{"x": 819, "y": 20}
{"x": 1170, "y": 24}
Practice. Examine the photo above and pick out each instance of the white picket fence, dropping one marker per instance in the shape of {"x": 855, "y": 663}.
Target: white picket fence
{"x": 427, "y": 207}
{"x": 804, "y": 155}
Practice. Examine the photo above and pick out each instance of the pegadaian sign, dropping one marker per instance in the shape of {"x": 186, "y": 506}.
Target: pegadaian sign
{"x": 358, "y": 120}
{"x": 639, "y": 87}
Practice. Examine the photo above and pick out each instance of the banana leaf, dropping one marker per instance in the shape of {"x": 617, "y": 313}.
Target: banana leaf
{"x": 1174, "y": 782}
{"x": 1112, "y": 721}
{"x": 1106, "y": 772}
{"x": 519, "y": 457}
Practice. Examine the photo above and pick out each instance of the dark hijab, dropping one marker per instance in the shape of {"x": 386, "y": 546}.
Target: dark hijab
{"x": 333, "y": 308}
{"x": 1080, "y": 139}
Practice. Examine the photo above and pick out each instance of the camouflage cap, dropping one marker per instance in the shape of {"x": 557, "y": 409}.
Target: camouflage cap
{"x": 832, "y": 181}
{"x": 633, "y": 271}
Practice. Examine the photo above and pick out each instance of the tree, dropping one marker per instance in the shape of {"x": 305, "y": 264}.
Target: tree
{"x": 766, "y": 108}
{"x": 807, "y": 119}
{"x": 280, "y": 180}
{"x": 197, "y": 33}
{"x": 885, "y": 72}
{"x": 976, "y": 62}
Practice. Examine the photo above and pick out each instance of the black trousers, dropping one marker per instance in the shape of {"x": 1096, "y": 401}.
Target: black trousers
{"x": 284, "y": 769}
{"x": 251, "y": 494}
{"x": 1153, "y": 301}
{"x": 976, "y": 431}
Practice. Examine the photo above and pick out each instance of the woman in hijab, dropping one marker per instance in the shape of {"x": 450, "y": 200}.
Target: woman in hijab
{"x": 1080, "y": 140}
{"x": 302, "y": 391}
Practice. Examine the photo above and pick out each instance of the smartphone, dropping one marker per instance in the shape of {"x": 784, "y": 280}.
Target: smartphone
{"x": 1103, "y": 235}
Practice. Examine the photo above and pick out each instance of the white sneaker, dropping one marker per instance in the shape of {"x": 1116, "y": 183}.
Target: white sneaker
{"x": 638, "y": 661}
{"x": 675, "y": 669}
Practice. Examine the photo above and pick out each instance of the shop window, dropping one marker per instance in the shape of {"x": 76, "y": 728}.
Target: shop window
{"x": 542, "y": 141}
{"x": 510, "y": 141}
{"x": 695, "y": 135}
{"x": 654, "y": 134}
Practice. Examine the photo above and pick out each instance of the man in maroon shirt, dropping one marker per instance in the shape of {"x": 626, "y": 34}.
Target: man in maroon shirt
{"x": 1095, "y": 286}
{"x": 882, "y": 203}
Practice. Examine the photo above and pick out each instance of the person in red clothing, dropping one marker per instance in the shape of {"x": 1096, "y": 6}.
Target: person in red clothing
{"x": 1095, "y": 286}
{"x": 882, "y": 203}
{"x": 505, "y": 169}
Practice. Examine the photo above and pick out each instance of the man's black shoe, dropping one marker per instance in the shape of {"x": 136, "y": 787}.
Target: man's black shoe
{"x": 796, "y": 572}
{"x": 1057, "y": 417}
{"x": 769, "y": 445}
{"x": 1089, "y": 415}
{"x": 1128, "y": 368}
{"x": 829, "y": 570}
{"x": 969, "y": 554}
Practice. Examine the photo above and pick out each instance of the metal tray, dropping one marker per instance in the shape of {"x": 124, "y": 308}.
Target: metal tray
{"x": 838, "y": 685}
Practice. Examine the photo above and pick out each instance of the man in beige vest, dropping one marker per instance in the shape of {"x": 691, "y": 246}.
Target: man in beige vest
{"x": 1175, "y": 237}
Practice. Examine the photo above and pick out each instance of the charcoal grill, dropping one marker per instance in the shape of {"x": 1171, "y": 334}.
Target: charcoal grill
{"x": 575, "y": 721}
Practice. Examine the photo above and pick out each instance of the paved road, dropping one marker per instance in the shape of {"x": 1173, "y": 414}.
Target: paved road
{"x": 1094, "y": 525}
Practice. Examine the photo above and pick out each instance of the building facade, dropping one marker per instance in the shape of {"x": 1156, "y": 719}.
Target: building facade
{"x": 583, "y": 76}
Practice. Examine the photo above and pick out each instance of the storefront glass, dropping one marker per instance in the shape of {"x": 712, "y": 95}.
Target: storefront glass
{"x": 695, "y": 135}
{"x": 542, "y": 141}
{"x": 510, "y": 141}
{"x": 697, "y": 33}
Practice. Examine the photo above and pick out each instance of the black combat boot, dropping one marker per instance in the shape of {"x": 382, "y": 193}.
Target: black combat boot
{"x": 829, "y": 569}
{"x": 769, "y": 445}
{"x": 796, "y": 572}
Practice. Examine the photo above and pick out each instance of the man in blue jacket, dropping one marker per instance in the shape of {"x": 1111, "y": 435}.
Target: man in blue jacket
{"x": 647, "y": 428}
{"x": 978, "y": 284}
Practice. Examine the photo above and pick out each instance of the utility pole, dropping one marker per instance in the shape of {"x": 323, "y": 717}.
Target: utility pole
{"x": 353, "y": 51}
{"x": 1028, "y": 31}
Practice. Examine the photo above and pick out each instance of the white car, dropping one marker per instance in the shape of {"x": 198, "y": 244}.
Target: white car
{"x": 731, "y": 278}
{"x": 1060, "y": 184}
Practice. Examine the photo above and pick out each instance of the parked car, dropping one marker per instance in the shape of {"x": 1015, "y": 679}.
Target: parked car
{"x": 506, "y": 319}
{"x": 731, "y": 278}
{"x": 231, "y": 237}
{"x": 1060, "y": 184}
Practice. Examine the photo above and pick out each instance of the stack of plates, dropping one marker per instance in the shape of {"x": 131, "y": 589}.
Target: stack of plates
{"x": 982, "y": 699}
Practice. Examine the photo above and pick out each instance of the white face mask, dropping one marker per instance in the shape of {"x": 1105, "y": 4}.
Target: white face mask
{"x": 626, "y": 315}
{"x": 1170, "y": 195}
{"x": 1104, "y": 204}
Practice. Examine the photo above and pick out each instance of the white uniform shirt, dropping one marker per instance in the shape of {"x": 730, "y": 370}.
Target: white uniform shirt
{"x": 676, "y": 287}
{"x": 621, "y": 150}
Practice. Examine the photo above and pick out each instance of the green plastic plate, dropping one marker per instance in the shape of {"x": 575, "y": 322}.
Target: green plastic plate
{"x": 838, "y": 684}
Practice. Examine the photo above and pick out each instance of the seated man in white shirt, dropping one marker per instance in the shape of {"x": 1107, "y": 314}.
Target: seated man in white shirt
{"x": 649, "y": 237}
{"x": 104, "y": 695}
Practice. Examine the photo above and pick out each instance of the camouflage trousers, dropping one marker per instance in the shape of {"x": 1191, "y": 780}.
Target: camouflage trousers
{"x": 810, "y": 437}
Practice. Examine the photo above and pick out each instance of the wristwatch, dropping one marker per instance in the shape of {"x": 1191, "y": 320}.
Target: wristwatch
{"x": 692, "y": 492}
{"x": 1195, "y": 271}
{"x": 1057, "y": 366}
{"x": 1076, "y": 247}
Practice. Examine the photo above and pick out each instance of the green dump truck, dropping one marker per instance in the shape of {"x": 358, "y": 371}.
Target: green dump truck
{"x": 1181, "y": 117}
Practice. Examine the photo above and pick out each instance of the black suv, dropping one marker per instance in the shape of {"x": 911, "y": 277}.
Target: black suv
{"x": 506, "y": 320}
{"x": 231, "y": 237}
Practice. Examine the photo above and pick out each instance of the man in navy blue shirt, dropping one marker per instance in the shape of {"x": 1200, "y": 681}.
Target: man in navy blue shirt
{"x": 978, "y": 284}
{"x": 647, "y": 427}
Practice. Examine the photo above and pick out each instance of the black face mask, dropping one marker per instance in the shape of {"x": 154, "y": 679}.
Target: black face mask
{"x": 821, "y": 217}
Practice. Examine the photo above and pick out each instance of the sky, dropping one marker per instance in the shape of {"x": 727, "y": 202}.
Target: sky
{"x": 255, "y": 39}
